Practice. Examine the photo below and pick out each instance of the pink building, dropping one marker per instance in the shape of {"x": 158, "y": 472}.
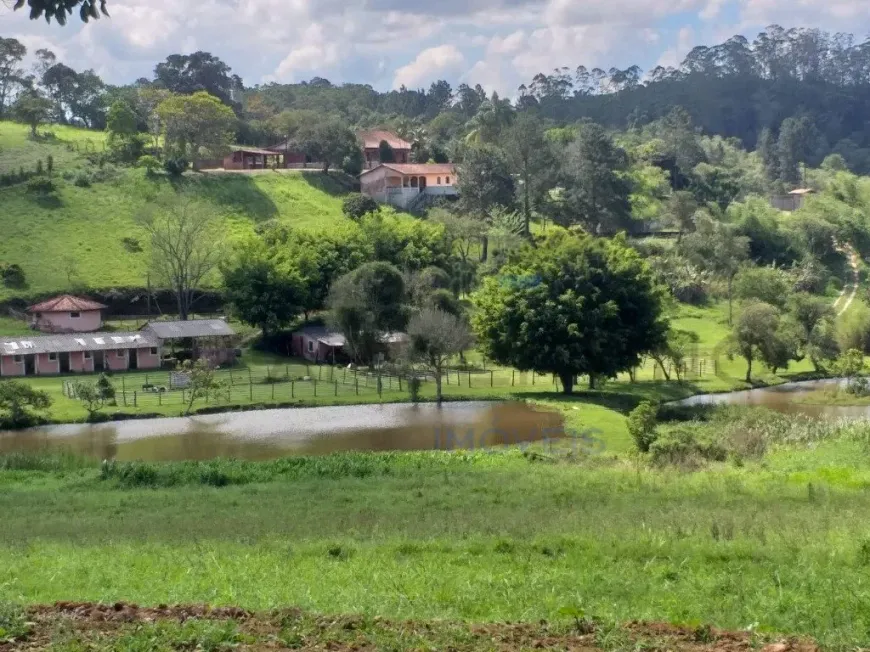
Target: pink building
{"x": 83, "y": 353}
{"x": 401, "y": 185}
{"x": 67, "y": 314}
{"x": 371, "y": 145}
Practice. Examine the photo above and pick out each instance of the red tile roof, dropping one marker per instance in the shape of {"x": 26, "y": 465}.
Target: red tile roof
{"x": 417, "y": 168}
{"x": 372, "y": 139}
{"x": 67, "y": 303}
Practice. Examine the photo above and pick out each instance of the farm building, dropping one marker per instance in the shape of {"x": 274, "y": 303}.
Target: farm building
{"x": 402, "y": 185}
{"x": 320, "y": 344}
{"x": 66, "y": 314}
{"x": 212, "y": 339}
{"x": 371, "y": 144}
{"x": 793, "y": 200}
{"x": 96, "y": 352}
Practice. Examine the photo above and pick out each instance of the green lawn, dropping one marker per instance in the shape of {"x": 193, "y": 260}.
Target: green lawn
{"x": 67, "y": 145}
{"x": 779, "y": 545}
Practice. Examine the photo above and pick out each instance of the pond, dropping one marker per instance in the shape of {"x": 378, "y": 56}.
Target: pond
{"x": 270, "y": 434}
{"x": 786, "y": 398}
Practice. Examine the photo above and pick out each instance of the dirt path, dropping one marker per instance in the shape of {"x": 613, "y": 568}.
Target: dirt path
{"x": 844, "y": 302}
{"x": 104, "y": 627}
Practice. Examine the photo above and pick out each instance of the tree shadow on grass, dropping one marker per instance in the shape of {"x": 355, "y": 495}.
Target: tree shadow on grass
{"x": 234, "y": 192}
{"x": 623, "y": 398}
{"x": 48, "y": 201}
{"x": 335, "y": 183}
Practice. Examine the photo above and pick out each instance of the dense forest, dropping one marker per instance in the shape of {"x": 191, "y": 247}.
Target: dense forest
{"x": 813, "y": 85}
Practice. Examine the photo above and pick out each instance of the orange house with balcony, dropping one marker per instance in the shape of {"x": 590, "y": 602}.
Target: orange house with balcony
{"x": 404, "y": 185}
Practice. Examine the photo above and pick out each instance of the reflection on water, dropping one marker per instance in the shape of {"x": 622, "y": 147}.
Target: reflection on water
{"x": 784, "y": 398}
{"x": 269, "y": 434}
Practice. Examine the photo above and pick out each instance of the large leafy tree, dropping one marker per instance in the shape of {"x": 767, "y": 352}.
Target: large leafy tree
{"x": 186, "y": 74}
{"x": 435, "y": 337}
{"x": 328, "y": 141}
{"x": 60, "y": 9}
{"x": 18, "y": 403}
{"x": 485, "y": 182}
{"x": 596, "y": 191}
{"x": 32, "y": 109}
{"x": 572, "y": 306}
{"x": 532, "y": 159}
{"x": 758, "y": 335}
{"x": 192, "y": 123}
{"x": 12, "y": 52}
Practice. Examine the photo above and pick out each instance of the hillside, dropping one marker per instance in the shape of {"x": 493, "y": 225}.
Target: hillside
{"x": 78, "y": 236}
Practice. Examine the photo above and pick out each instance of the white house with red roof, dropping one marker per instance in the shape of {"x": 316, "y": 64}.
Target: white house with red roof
{"x": 66, "y": 314}
{"x": 404, "y": 185}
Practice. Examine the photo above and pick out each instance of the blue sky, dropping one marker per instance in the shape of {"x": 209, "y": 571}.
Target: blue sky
{"x": 387, "y": 43}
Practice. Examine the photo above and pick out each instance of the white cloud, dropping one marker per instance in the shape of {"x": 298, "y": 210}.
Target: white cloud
{"x": 672, "y": 57}
{"x": 429, "y": 65}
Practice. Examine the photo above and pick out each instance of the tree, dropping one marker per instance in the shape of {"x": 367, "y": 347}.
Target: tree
{"x": 814, "y": 317}
{"x": 12, "y": 52}
{"x": 328, "y": 141}
{"x": 769, "y": 156}
{"x": 202, "y": 382}
{"x": 642, "y": 422}
{"x": 150, "y": 163}
{"x": 32, "y": 109}
{"x": 674, "y": 351}
{"x": 768, "y": 284}
{"x": 92, "y": 397}
{"x": 755, "y": 336}
{"x": 715, "y": 246}
{"x": 59, "y": 9}
{"x": 436, "y": 336}
{"x": 18, "y": 401}
{"x": 484, "y": 181}
{"x": 596, "y": 192}
{"x": 188, "y": 74}
{"x": 262, "y": 292}
{"x": 357, "y": 206}
{"x": 121, "y": 120}
{"x": 572, "y": 306}
{"x": 185, "y": 245}
{"x": 851, "y": 366}
{"x": 530, "y": 155}
{"x": 366, "y": 304}
{"x": 386, "y": 153}
{"x": 192, "y": 123}
{"x": 680, "y": 212}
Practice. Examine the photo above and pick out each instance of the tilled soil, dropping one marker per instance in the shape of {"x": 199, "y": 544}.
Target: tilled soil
{"x": 99, "y": 627}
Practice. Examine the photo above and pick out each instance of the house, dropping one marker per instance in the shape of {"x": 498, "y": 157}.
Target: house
{"x": 66, "y": 314}
{"x": 79, "y": 353}
{"x": 371, "y": 144}
{"x": 793, "y": 200}
{"x": 212, "y": 339}
{"x": 320, "y": 344}
{"x": 252, "y": 158}
{"x": 292, "y": 157}
{"x": 402, "y": 184}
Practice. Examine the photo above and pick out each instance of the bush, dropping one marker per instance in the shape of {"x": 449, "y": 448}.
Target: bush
{"x": 175, "y": 167}
{"x": 687, "y": 447}
{"x": 357, "y": 206}
{"x": 642, "y": 423}
{"x": 12, "y": 276}
{"x": 82, "y": 180}
{"x": 40, "y": 185}
{"x": 150, "y": 163}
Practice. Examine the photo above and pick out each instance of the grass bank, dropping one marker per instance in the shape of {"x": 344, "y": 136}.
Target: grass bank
{"x": 779, "y": 544}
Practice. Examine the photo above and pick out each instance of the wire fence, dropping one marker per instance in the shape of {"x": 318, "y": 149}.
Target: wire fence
{"x": 298, "y": 382}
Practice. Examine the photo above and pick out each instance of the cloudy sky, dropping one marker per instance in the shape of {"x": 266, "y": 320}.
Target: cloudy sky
{"x": 387, "y": 43}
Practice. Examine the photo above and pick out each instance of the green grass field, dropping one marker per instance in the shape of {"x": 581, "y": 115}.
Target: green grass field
{"x": 779, "y": 545}
{"x": 77, "y": 238}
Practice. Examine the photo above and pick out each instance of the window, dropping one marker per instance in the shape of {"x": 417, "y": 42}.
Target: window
{"x": 439, "y": 181}
{"x": 120, "y": 354}
{"x": 310, "y": 346}
{"x": 52, "y": 357}
{"x": 88, "y": 355}
{"x": 75, "y": 315}
{"x": 17, "y": 359}
{"x": 153, "y": 350}
{"x": 447, "y": 180}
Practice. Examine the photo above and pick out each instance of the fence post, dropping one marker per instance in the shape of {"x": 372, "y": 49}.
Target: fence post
{"x": 232, "y": 380}
{"x": 320, "y": 372}
{"x": 314, "y": 380}
{"x": 336, "y": 388}
{"x": 307, "y": 370}
{"x": 491, "y": 378}
{"x": 344, "y": 380}
{"x": 183, "y": 396}
{"x": 146, "y": 379}
{"x": 273, "y": 391}
{"x": 448, "y": 375}
{"x": 469, "y": 379}
{"x": 533, "y": 377}
{"x": 356, "y": 383}
{"x": 251, "y": 391}
{"x": 135, "y": 399}
{"x": 513, "y": 376}
{"x": 124, "y": 391}
{"x": 160, "y": 398}
{"x": 292, "y": 389}
{"x": 400, "y": 383}
{"x": 250, "y": 378}
{"x": 287, "y": 371}
{"x": 268, "y": 372}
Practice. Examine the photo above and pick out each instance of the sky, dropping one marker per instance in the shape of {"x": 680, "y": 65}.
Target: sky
{"x": 389, "y": 43}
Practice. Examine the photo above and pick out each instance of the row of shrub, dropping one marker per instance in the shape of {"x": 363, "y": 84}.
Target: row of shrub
{"x": 22, "y": 175}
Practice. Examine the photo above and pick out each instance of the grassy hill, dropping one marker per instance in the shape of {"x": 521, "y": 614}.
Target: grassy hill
{"x": 83, "y": 235}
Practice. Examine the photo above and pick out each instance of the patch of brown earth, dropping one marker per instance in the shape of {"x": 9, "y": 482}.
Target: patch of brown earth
{"x": 100, "y": 623}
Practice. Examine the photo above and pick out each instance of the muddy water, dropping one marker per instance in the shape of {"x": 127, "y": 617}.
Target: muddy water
{"x": 269, "y": 434}
{"x": 785, "y": 398}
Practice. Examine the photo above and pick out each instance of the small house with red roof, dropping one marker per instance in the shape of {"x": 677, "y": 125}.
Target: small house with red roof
{"x": 66, "y": 314}
{"x": 403, "y": 185}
